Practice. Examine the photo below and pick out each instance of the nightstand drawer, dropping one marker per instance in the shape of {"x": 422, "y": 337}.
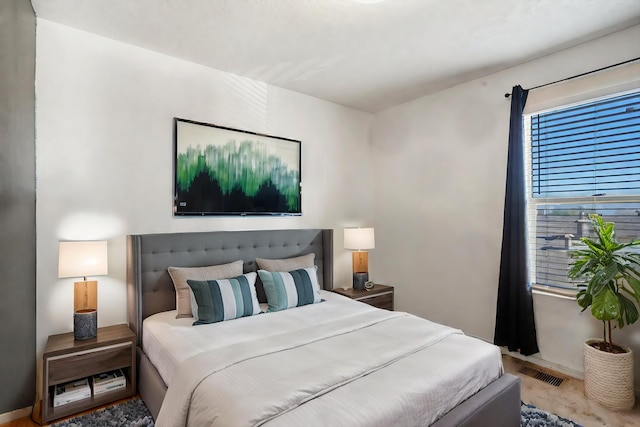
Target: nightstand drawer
{"x": 85, "y": 363}
{"x": 381, "y": 301}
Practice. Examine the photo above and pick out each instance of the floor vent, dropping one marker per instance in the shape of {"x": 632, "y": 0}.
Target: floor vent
{"x": 542, "y": 376}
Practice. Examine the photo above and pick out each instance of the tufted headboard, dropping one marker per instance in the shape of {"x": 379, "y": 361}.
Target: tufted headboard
{"x": 149, "y": 286}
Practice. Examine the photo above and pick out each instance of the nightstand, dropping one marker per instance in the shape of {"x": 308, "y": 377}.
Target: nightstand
{"x": 66, "y": 359}
{"x": 380, "y": 296}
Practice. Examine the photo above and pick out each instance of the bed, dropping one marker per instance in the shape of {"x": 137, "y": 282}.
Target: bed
{"x": 360, "y": 380}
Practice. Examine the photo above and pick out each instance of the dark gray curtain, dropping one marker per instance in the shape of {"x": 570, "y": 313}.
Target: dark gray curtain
{"x": 515, "y": 326}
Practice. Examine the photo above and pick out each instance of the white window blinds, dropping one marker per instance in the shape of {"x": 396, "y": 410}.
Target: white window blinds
{"x": 587, "y": 150}
{"x": 581, "y": 159}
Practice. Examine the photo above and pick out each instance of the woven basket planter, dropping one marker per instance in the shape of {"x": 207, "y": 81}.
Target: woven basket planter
{"x": 608, "y": 377}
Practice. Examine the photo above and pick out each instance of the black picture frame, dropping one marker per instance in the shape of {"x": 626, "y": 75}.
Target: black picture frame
{"x": 225, "y": 171}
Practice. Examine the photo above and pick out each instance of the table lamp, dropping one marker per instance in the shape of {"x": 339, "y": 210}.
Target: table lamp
{"x": 82, "y": 259}
{"x": 359, "y": 240}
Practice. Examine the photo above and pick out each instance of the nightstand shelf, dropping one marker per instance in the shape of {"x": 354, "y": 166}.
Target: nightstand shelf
{"x": 380, "y": 296}
{"x": 66, "y": 359}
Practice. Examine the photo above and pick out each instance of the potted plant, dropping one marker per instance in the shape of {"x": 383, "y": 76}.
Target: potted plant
{"x": 611, "y": 288}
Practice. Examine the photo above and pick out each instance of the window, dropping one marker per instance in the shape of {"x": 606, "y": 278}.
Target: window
{"x": 580, "y": 159}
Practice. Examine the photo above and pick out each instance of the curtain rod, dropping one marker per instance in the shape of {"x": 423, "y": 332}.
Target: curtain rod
{"x": 507, "y": 95}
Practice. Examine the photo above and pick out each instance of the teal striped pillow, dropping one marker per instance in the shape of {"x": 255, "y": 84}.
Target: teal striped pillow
{"x": 225, "y": 299}
{"x": 290, "y": 289}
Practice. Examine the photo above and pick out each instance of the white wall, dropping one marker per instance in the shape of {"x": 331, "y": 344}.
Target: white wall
{"x": 437, "y": 167}
{"x": 440, "y": 165}
{"x": 104, "y": 156}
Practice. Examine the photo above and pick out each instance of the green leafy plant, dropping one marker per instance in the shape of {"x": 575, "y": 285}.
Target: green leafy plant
{"x": 612, "y": 279}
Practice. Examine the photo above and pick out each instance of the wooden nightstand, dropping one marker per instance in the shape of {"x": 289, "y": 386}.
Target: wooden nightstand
{"x": 380, "y": 296}
{"x": 66, "y": 359}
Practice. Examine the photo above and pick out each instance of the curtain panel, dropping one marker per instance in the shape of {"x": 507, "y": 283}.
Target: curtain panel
{"x": 515, "y": 325}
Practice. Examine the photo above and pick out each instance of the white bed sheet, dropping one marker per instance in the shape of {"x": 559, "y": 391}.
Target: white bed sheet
{"x": 168, "y": 341}
{"x": 456, "y": 368}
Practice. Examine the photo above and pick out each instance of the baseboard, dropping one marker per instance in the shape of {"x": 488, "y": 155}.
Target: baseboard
{"x": 541, "y": 362}
{"x": 15, "y": 415}
{"x": 546, "y": 364}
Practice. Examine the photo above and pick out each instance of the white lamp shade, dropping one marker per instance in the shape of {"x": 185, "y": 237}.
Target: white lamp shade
{"x": 82, "y": 259}
{"x": 359, "y": 238}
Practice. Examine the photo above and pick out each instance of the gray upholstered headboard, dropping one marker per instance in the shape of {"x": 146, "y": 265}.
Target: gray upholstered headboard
{"x": 149, "y": 286}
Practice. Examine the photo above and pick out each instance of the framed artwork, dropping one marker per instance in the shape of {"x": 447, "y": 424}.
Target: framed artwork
{"x": 224, "y": 171}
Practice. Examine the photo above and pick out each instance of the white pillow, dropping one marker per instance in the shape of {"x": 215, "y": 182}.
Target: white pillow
{"x": 180, "y": 275}
{"x": 286, "y": 264}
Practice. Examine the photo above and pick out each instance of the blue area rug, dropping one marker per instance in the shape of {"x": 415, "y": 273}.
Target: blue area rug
{"x": 134, "y": 413}
{"x": 530, "y": 416}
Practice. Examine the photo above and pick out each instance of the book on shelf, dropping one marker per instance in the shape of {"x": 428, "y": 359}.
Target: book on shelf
{"x": 71, "y": 392}
{"x": 108, "y": 381}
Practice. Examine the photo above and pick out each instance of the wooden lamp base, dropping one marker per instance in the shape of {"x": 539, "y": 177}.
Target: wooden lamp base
{"x": 360, "y": 261}
{"x": 360, "y": 269}
{"x": 85, "y": 310}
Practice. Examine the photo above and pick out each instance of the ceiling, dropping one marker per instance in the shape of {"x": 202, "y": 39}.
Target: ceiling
{"x": 361, "y": 55}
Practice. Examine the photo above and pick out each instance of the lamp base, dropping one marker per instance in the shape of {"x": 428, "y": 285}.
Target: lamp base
{"x": 359, "y": 279}
{"x": 85, "y": 324}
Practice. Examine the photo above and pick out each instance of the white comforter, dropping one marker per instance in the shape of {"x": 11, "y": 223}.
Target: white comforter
{"x": 368, "y": 367}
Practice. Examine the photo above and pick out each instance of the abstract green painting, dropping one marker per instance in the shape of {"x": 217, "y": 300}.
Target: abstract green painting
{"x": 224, "y": 171}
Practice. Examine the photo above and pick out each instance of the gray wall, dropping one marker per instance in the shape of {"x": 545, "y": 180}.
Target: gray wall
{"x": 17, "y": 205}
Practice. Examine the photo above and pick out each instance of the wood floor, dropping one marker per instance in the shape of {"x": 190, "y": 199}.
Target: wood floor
{"x": 567, "y": 400}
